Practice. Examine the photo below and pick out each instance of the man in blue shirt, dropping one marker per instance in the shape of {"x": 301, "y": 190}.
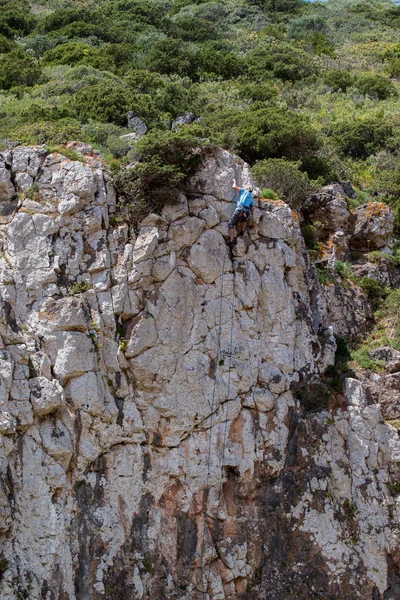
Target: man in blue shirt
{"x": 241, "y": 216}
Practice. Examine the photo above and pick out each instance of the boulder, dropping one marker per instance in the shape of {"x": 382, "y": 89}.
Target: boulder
{"x": 373, "y": 227}
{"x": 136, "y": 123}
{"x": 185, "y": 119}
{"x": 329, "y": 208}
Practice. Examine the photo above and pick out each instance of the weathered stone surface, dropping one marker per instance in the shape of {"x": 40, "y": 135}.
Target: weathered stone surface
{"x": 136, "y": 123}
{"x": 373, "y": 227}
{"x": 152, "y": 443}
{"x": 185, "y": 119}
{"x": 46, "y": 396}
{"x": 348, "y": 311}
{"x": 329, "y": 208}
{"x": 6, "y": 186}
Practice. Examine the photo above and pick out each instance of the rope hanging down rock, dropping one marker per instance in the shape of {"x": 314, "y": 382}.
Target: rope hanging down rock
{"x": 213, "y": 404}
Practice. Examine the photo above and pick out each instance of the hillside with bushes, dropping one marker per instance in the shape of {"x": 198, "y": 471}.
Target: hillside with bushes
{"x": 311, "y": 83}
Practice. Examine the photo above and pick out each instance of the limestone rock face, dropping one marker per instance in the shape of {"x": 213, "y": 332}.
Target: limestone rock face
{"x": 151, "y": 442}
{"x": 373, "y": 227}
{"x": 329, "y": 208}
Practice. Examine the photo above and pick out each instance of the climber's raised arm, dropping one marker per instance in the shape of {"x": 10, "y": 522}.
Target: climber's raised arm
{"x": 235, "y": 186}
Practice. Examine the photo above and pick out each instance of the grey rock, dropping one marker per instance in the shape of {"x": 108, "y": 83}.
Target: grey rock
{"x": 386, "y": 353}
{"x": 6, "y": 186}
{"x": 136, "y": 123}
{"x": 373, "y": 227}
{"x": 185, "y": 119}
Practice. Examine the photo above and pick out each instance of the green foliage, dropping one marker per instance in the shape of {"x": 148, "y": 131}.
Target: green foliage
{"x": 375, "y": 86}
{"x": 394, "y": 487}
{"x": 338, "y": 80}
{"x": 3, "y": 564}
{"x": 67, "y": 152}
{"x": 285, "y": 178}
{"x": 374, "y": 292}
{"x": 265, "y": 133}
{"x": 77, "y": 288}
{"x": 344, "y": 269}
{"x": 6, "y": 45}
{"x": 48, "y": 133}
{"x": 18, "y": 68}
{"x": 362, "y": 357}
{"x": 360, "y": 137}
{"x": 306, "y": 24}
{"x": 171, "y": 55}
{"x": 100, "y": 103}
{"x": 268, "y": 194}
{"x": 15, "y": 18}
{"x": 319, "y": 44}
{"x": 165, "y": 163}
{"x": 280, "y": 60}
{"x": 309, "y": 234}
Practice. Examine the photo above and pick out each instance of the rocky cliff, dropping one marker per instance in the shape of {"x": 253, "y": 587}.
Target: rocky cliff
{"x": 156, "y": 433}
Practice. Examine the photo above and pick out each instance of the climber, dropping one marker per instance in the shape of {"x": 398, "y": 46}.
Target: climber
{"x": 243, "y": 212}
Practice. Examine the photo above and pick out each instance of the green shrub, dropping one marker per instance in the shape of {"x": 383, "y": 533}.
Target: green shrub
{"x": 363, "y": 358}
{"x": 319, "y": 44}
{"x": 344, "y": 269}
{"x": 218, "y": 59}
{"x": 166, "y": 161}
{"x": 103, "y": 104}
{"x": 361, "y": 136}
{"x": 48, "y": 133}
{"x": 376, "y": 86}
{"x": 6, "y": 45}
{"x": 309, "y": 234}
{"x": 280, "y": 60}
{"x": 374, "y": 292}
{"x": 15, "y": 18}
{"x": 99, "y": 133}
{"x": 285, "y": 178}
{"x": 269, "y": 194}
{"x": 306, "y": 24}
{"x": 266, "y": 133}
{"x": 173, "y": 56}
{"x": 393, "y": 68}
{"x": 18, "y": 68}
{"x": 72, "y": 54}
{"x": 339, "y": 80}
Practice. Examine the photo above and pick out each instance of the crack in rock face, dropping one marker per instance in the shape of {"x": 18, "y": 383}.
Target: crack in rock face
{"x": 153, "y": 443}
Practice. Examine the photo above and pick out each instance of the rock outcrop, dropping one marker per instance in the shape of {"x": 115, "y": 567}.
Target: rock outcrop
{"x": 152, "y": 445}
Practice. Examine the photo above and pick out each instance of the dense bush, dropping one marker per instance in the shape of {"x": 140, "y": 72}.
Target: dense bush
{"x": 101, "y": 103}
{"x": 280, "y": 60}
{"x": 275, "y": 133}
{"x": 284, "y": 178}
{"x": 375, "y": 86}
{"x": 363, "y": 136}
{"x": 18, "y": 68}
{"x": 15, "y": 18}
{"x": 306, "y": 24}
{"x": 48, "y": 133}
{"x": 338, "y": 80}
{"x": 170, "y": 55}
{"x": 217, "y": 58}
{"x": 374, "y": 292}
{"x": 165, "y": 163}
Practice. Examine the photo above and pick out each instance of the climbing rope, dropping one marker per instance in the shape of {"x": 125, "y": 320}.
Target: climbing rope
{"x": 225, "y": 435}
{"x": 212, "y": 407}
